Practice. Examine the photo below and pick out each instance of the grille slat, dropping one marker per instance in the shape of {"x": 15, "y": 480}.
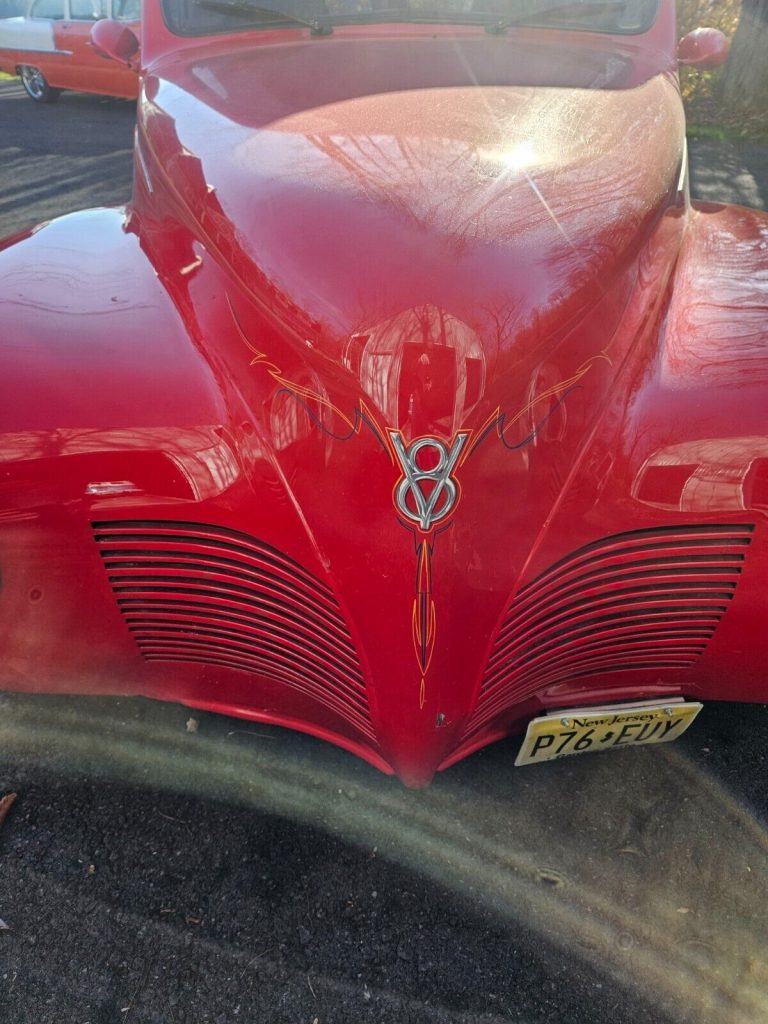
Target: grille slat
{"x": 204, "y": 645}
{"x": 201, "y": 535}
{"x": 263, "y": 631}
{"x": 647, "y": 632}
{"x": 292, "y": 657}
{"x": 589, "y": 611}
{"x": 619, "y": 584}
{"x": 610, "y": 630}
{"x": 230, "y": 611}
{"x": 202, "y": 594}
{"x": 545, "y": 639}
{"x": 211, "y": 570}
{"x": 247, "y": 567}
{"x": 226, "y": 596}
{"x": 646, "y": 573}
{"x": 255, "y": 666}
{"x": 722, "y": 536}
{"x": 648, "y": 599}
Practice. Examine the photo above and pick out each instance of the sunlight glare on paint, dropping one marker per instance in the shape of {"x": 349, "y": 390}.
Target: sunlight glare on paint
{"x": 519, "y": 156}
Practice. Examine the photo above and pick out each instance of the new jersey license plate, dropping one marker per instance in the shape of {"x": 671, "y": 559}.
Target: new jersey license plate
{"x": 606, "y": 728}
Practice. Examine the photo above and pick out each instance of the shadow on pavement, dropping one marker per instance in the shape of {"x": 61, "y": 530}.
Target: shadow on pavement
{"x": 729, "y": 172}
{"x": 181, "y": 874}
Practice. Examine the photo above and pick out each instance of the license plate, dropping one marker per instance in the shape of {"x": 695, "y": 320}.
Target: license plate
{"x": 587, "y": 730}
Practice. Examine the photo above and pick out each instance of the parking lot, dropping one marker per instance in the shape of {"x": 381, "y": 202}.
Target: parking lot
{"x": 170, "y": 868}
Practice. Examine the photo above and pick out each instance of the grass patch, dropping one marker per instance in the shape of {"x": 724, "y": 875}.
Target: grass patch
{"x": 708, "y": 116}
{"x": 725, "y": 133}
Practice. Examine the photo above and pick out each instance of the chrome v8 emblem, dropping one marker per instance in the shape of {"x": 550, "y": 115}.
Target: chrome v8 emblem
{"x": 427, "y": 492}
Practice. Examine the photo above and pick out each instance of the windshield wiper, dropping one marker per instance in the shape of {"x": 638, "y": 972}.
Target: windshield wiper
{"x": 578, "y": 7}
{"x": 244, "y": 8}
{"x": 493, "y": 24}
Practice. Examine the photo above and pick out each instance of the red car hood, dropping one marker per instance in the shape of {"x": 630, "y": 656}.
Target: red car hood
{"x": 440, "y": 259}
{"x": 351, "y": 198}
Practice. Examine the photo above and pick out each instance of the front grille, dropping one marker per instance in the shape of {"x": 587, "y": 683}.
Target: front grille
{"x": 190, "y": 592}
{"x": 645, "y": 600}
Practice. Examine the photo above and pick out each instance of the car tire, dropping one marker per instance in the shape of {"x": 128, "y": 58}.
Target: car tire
{"x": 36, "y": 85}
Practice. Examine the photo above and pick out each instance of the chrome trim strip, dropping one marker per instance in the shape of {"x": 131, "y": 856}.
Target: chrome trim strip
{"x": 142, "y": 162}
{"x": 45, "y": 53}
{"x": 682, "y": 181}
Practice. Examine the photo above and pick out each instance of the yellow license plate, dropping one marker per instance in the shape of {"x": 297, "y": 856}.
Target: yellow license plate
{"x": 591, "y": 729}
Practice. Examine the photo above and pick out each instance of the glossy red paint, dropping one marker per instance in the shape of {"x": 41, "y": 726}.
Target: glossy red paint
{"x": 704, "y": 48}
{"x": 116, "y": 41}
{"x": 400, "y": 404}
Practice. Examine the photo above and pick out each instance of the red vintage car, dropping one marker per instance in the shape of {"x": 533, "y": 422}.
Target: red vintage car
{"x": 51, "y": 49}
{"x": 410, "y": 403}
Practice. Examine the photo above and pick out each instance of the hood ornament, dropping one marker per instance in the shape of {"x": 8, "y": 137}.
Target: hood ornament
{"x": 427, "y": 491}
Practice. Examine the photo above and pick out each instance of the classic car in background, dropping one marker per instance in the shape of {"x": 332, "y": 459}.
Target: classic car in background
{"x": 13, "y": 8}
{"x": 50, "y": 48}
{"x": 410, "y": 402}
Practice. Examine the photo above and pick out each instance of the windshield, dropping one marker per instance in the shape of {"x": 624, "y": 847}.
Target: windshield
{"x": 203, "y": 17}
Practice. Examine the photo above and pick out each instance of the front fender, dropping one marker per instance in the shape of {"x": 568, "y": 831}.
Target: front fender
{"x": 120, "y": 427}
{"x": 693, "y": 440}
{"x": 704, "y": 403}
{"x": 104, "y": 398}
{"x": 90, "y": 338}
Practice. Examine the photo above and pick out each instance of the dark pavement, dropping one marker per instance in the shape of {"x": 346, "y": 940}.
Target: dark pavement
{"x": 241, "y": 873}
{"x": 729, "y": 172}
{"x": 60, "y": 157}
{"x": 154, "y": 875}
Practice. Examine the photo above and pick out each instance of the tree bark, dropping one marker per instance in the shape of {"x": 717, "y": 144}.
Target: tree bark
{"x": 745, "y": 77}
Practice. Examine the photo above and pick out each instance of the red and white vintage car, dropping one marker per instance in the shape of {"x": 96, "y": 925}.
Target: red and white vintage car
{"x": 410, "y": 402}
{"x": 51, "y": 49}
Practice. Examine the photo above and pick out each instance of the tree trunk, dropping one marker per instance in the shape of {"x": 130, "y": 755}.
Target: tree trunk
{"x": 745, "y": 77}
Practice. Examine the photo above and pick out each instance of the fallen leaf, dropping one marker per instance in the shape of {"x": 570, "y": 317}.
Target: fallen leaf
{"x": 192, "y": 724}
{"x": 5, "y": 806}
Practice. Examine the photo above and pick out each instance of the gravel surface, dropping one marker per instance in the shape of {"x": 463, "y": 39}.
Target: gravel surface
{"x": 162, "y": 867}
